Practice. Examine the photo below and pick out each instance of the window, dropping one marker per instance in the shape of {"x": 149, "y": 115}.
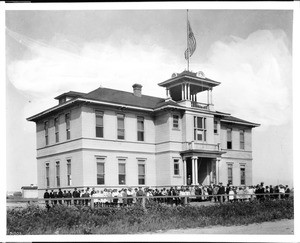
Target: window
{"x": 176, "y": 166}
{"x": 100, "y": 171}
{"x": 176, "y": 121}
{"x": 56, "y": 120}
{"x": 46, "y": 128}
{"x": 229, "y": 139}
{"x": 242, "y": 139}
{"x": 243, "y": 175}
{"x": 47, "y": 175}
{"x": 57, "y": 174}
{"x": 140, "y": 128}
{"x": 215, "y": 127}
{"x": 121, "y": 126}
{"x": 229, "y": 173}
{"x": 142, "y": 174}
{"x": 199, "y": 128}
{"x": 122, "y": 172}
{"x": 67, "y": 120}
{"x": 99, "y": 124}
{"x": 69, "y": 172}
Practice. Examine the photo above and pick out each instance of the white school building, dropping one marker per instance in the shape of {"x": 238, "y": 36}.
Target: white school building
{"x": 113, "y": 138}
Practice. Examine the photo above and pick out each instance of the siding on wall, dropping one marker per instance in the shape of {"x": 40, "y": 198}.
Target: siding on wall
{"x": 163, "y": 172}
{"x": 189, "y": 126}
{"x": 176, "y": 179}
{"x": 223, "y": 175}
{"x": 76, "y": 170}
{"x": 110, "y": 124}
{"x": 111, "y": 168}
{"x": 75, "y": 127}
{"x": 236, "y": 137}
{"x": 162, "y": 144}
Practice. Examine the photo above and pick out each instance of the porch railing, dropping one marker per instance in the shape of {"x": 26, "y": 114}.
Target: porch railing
{"x": 202, "y": 146}
{"x": 200, "y": 105}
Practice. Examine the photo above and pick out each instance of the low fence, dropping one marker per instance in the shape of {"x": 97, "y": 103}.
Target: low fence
{"x": 177, "y": 199}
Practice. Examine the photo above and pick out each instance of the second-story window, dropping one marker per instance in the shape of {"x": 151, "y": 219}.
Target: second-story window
{"x": 99, "y": 124}
{"x": 67, "y": 120}
{"x": 199, "y": 128}
{"x": 229, "y": 138}
{"x": 46, "y": 128}
{"x": 140, "y": 128}
{"x": 56, "y": 121}
{"x": 121, "y": 126}
{"x": 57, "y": 174}
{"x": 242, "y": 139}
{"x": 215, "y": 127}
{"x": 176, "y": 121}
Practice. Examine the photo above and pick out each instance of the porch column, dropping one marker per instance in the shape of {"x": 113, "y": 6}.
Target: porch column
{"x": 184, "y": 171}
{"x": 193, "y": 171}
{"x": 217, "y": 170}
{"x": 168, "y": 93}
{"x": 188, "y": 91}
{"x": 196, "y": 170}
{"x": 211, "y": 99}
{"x": 211, "y": 172}
{"x": 182, "y": 92}
{"x": 208, "y": 96}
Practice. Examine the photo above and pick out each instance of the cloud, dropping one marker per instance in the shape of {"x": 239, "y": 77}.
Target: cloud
{"x": 61, "y": 66}
{"x": 255, "y": 75}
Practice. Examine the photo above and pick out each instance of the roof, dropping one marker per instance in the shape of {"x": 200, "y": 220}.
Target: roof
{"x": 123, "y": 97}
{"x": 232, "y": 119}
{"x": 52, "y": 109}
{"x": 29, "y": 187}
{"x": 118, "y": 97}
{"x": 70, "y": 94}
{"x": 195, "y": 78}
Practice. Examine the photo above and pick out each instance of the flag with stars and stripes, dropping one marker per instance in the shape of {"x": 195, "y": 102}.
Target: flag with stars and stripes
{"x": 191, "y": 43}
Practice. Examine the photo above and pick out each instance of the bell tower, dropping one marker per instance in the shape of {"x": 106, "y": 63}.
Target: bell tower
{"x": 184, "y": 87}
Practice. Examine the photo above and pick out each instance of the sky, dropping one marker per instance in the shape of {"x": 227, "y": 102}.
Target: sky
{"x": 248, "y": 51}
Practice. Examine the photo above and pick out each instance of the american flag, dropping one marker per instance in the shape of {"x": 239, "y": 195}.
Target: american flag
{"x": 191, "y": 45}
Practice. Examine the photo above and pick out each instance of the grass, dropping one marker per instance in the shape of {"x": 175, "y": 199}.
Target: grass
{"x": 84, "y": 220}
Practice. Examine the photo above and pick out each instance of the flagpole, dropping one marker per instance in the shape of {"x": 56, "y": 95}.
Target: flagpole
{"x": 187, "y": 39}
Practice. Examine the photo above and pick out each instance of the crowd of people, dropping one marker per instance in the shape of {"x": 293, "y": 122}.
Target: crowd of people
{"x": 105, "y": 197}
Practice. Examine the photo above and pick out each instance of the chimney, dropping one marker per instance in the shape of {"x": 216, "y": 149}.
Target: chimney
{"x": 137, "y": 90}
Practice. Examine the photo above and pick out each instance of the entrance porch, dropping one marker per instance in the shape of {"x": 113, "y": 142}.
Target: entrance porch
{"x": 201, "y": 167}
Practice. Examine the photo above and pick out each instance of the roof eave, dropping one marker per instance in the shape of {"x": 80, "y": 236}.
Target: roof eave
{"x": 171, "y": 80}
{"x": 35, "y": 117}
{"x": 242, "y": 123}
{"x": 115, "y": 104}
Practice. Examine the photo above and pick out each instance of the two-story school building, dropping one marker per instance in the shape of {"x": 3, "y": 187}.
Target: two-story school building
{"x": 113, "y": 138}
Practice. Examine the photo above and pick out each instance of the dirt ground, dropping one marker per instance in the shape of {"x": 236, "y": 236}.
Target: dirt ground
{"x": 281, "y": 227}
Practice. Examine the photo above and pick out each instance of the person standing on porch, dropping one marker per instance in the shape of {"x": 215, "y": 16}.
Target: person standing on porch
{"x": 189, "y": 180}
